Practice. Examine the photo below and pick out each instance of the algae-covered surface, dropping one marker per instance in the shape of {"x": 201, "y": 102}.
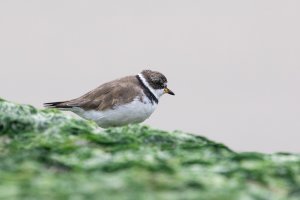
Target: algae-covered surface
{"x": 46, "y": 154}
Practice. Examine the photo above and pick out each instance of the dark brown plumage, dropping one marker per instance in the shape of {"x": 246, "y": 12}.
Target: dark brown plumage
{"x": 117, "y": 92}
{"x": 127, "y": 100}
{"x": 156, "y": 79}
{"x": 108, "y": 95}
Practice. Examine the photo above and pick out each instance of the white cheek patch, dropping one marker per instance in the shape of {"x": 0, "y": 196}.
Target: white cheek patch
{"x": 159, "y": 92}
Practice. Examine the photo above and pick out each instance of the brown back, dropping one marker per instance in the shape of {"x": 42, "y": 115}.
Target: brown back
{"x": 109, "y": 95}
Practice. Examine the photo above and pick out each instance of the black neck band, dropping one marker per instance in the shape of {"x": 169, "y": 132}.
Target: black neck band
{"x": 147, "y": 91}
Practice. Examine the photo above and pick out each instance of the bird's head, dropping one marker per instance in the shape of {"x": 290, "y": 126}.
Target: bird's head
{"x": 156, "y": 82}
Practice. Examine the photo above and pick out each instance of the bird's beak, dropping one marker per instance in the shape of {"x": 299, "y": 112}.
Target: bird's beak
{"x": 168, "y": 91}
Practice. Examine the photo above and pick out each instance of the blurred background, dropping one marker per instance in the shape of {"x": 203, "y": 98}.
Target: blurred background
{"x": 234, "y": 65}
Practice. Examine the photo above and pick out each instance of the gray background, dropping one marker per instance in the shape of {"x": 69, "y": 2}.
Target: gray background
{"x": 234, "y": 65}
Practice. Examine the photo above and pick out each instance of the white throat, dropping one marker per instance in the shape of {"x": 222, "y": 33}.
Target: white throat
{"x": 157, "y": 93}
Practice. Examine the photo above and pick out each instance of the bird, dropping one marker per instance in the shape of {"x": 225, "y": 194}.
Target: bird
{"x": 128, "y": 100}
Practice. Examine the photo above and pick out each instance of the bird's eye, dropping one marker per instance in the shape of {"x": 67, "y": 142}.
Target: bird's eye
{"x": 160, "y": 84}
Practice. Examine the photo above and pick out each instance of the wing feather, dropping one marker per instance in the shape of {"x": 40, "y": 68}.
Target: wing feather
{"x": 108, "y": 95}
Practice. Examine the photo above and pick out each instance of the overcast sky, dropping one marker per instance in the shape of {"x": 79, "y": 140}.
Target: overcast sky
{"x": 234, "y": 65}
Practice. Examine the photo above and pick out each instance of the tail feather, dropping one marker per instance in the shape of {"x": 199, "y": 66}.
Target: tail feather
{"x": 59, "y": 104}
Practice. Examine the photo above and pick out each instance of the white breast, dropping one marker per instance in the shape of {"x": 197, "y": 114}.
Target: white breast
{"x": 134, "y": 112}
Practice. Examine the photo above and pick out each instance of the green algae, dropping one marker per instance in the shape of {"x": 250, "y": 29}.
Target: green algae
{"x": 46, "y": 154}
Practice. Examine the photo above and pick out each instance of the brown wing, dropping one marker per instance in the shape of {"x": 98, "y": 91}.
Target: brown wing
{"x": 109, "y": 95}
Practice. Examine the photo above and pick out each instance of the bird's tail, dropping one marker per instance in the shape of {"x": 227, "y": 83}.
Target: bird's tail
{"x": 59, "y": 104}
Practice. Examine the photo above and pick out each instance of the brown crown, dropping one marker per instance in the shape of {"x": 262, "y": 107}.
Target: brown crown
{"x": 155, "y": 79}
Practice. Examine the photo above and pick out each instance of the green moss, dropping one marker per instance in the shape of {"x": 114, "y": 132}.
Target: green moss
{"x": 46, "y": 154}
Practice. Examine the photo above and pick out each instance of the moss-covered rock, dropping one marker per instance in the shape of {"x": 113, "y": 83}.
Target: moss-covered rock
{"x": 46, "y": 154}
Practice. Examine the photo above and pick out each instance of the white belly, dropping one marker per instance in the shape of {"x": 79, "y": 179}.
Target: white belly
{"x": 134, "y": 112}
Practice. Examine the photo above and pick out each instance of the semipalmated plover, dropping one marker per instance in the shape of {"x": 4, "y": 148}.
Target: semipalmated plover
{"x": 128, "y": 100}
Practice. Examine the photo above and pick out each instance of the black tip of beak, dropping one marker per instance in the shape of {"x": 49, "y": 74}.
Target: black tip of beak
{"x": 171, "y": 93}
{"x": 168, "y": 91}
